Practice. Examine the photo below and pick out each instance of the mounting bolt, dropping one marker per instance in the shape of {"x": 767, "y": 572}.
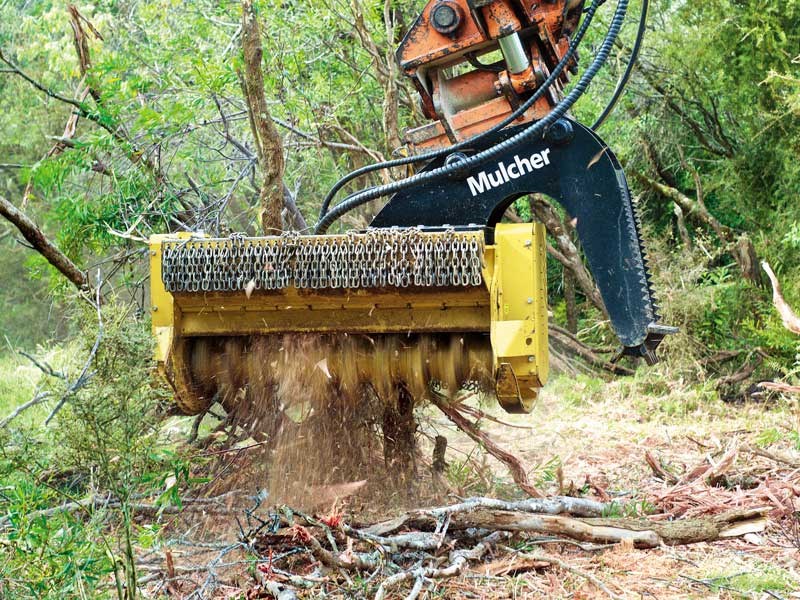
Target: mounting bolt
{"x": 530, "y": 300}
{"x": 560, "y": 132}
{"x": 155, "y": 308}
{"x": 528, "y": 243}
{"x": 152, "y": 252}
{"x": 457, "y": 162}
{"x": 530, "y": 359}
{"x": 446, "y": 17}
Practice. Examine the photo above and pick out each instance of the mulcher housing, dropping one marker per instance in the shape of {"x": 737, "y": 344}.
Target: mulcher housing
{"x": 507, "y": 302}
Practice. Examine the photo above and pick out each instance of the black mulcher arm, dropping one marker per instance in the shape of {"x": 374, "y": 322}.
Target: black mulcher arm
{"x": 576, "y": 168}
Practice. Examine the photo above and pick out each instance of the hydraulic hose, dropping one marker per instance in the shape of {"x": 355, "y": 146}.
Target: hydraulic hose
{"x": 520, "y": 110}
{"x": 623, "y": 82}
{"x": 534, "y": 130}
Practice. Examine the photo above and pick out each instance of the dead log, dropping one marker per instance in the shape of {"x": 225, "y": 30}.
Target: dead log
{"x": 555, "y": 505}
{"x": 642, "y": 533}
{"x": 42, "y": 244}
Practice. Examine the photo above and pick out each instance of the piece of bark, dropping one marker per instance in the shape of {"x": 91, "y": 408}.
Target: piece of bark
{"x": 42, "y": 244}
{"x": 710, "y": 471}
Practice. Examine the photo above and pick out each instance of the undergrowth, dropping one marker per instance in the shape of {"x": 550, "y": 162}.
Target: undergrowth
{"x": 96, "y": 456}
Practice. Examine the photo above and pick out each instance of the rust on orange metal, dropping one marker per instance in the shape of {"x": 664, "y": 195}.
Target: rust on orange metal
{"x": 452, "y": 55}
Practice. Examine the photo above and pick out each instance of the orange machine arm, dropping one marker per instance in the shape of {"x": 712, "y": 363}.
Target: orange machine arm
{"x": 465, "y": 95}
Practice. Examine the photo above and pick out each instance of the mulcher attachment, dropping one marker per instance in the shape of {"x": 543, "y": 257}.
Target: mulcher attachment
{"x": 482, "y": 306}
{"x": 437, "y": 291}
{"x": 575, "y": 167}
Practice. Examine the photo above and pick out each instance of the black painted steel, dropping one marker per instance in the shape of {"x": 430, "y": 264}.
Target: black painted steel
{"x": 573, "y": 166}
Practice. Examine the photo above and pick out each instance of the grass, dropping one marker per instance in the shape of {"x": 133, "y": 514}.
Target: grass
{"x": 761, "y": 577}
{"x": 18, "y": 382}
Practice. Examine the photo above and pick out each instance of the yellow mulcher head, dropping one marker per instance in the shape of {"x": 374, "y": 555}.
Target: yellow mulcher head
{"x": 415, "y": 306}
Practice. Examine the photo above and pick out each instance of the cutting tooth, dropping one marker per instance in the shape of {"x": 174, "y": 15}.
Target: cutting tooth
{"x": 635, "y": 227}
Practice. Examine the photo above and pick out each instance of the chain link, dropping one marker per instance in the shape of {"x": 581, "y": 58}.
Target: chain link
{"x": 374, "y": 258}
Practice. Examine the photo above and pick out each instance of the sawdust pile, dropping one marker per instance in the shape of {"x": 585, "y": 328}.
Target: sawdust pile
{"x": 331, "y": 407}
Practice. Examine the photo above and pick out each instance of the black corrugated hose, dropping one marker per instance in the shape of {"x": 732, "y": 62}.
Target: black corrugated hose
{"x": 623, "y": 82}
{"x": 540, "y": 91}
{"x": 534, "y": 130}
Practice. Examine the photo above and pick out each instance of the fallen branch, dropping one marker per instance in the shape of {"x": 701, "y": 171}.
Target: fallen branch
{"x": 777, "y": 386}
{"x": 556, "y": 505}
{"x": 642, "y": 533}
{"x": 573, "y": 344}
{"x": 741, "y": 375}
{"x": 459, "y": 559}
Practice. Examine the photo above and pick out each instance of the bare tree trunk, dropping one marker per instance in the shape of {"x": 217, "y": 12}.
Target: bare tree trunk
{"x": 385, "y": 68}
{"x": 43, "y": 245}
{"x": 391, "y": 103}
{"x": 269, "y": 148}
{"x": 569, "y": 297}
{"x": 682, "y": 230}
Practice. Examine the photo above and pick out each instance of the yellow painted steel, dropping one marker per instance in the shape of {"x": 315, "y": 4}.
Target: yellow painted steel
{"x": 518, "y": 327}
{"x": 511, "y": 306}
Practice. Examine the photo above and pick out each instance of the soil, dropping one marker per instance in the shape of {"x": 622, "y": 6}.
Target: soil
{"x": 585, "y": 437}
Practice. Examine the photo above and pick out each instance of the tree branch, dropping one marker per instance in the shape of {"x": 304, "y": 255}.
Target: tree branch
{"x": 508, "y": 459}
{"x": 31, "y": 232}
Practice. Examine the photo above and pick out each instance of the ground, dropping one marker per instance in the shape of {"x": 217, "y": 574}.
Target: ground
{"x": 586, "y": 436}
{"x": 590, "y": 437}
